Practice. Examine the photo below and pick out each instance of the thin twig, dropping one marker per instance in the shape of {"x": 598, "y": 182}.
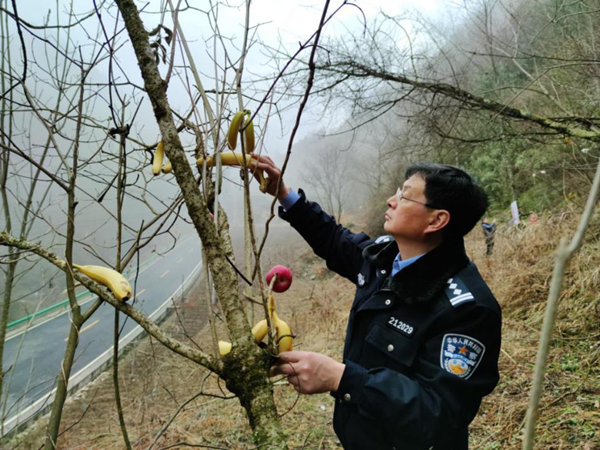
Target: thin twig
{"x": 309, "y": 84}
{"x": 173, "y": 417}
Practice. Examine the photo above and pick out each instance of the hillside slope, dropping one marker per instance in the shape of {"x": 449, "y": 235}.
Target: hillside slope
{"x": 156, "y": 384}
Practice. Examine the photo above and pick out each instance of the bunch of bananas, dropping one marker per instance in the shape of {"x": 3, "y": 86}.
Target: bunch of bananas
{"x": 283, "y": 332}
{"x": 159, "y": 157}
{"x": 234, "y": 129}
{"x": 238, "y": 158}
{"x": 227, "y": 159}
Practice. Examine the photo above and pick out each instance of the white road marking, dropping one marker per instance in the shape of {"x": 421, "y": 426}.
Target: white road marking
{"x": 165, "y": 273}
{"x": 87, "y": 327}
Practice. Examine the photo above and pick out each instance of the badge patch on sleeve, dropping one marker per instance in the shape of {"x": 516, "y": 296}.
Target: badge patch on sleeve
{"x": 460, "y": 355}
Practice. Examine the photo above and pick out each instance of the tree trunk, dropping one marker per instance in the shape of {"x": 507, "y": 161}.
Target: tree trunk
{"x": 62, "y": 387}
{"x": 77, "y": 319}
{"x": 247, "y": 377}
{"x": 8, "y": 285}
{"x": 247, "y": 366}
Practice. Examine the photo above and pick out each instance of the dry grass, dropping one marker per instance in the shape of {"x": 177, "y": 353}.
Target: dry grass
{"x": 519, "y": 274}
{"x": 155, "y": 383}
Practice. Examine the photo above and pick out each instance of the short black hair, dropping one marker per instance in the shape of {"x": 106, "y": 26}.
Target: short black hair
{"x": 453, "y": 189}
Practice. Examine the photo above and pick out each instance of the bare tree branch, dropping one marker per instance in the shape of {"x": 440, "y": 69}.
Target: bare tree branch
{"x": 358, "y": 70}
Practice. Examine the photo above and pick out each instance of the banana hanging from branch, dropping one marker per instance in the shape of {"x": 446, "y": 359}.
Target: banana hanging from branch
{"x": 249, "y": 140}
{"x": 260, "y": 330}
{"x": 159, "y": 163}
{"x": 234, "y": 129}
{"x": 283, "y": 332}
{"x": 248, "y": 131}
{"x": 110, "y": 278}
{"x": 159, "y": 156}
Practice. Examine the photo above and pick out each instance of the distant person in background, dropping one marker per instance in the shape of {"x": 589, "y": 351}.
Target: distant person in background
{"x": 489, "y": 231}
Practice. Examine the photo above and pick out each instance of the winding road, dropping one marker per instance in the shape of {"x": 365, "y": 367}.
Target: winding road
{"x": 34, "y": 355}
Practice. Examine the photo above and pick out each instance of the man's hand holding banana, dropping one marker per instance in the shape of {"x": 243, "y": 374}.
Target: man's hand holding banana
{"x": 309, "y": 372}
{"x": 261, "y": 163}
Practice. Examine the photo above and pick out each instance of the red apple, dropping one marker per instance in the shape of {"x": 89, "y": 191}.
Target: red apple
{"x": 284, "y": 278}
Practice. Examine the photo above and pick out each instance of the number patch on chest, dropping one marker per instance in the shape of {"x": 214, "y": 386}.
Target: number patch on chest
{"x": 402, "y": 327}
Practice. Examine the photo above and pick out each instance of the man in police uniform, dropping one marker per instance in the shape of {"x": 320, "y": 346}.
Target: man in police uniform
{"x": 423, "y": 334}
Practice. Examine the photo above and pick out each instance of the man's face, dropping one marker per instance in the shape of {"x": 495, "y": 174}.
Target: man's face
{"x": 405, "y": 218}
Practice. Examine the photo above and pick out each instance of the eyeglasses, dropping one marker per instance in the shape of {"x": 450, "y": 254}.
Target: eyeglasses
{"x": 399, "y": 197}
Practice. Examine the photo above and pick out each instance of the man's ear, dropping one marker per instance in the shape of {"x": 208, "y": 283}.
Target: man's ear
{"x": 439, "y": 219}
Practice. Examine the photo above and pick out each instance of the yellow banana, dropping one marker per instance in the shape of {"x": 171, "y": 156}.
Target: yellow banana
{"x": 260, "y": 330}
{"x": 234, "y": 129}
{"x": 285, "y": 339}
{"x": 167, "y": 168}
{"x": 227, "y": 159}
{"x": 249, "y": 135}
{"x": 271, "y": 306}
{"x": 264, "y": 182}
{"x": 283, "y": 332}
{"x": 110, "y": 278}
{"x": 235, "y": 159}
{"x": 159, "y": 156}
{"x": 224, "y": 347}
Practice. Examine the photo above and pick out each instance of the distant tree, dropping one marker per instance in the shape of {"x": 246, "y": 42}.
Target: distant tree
{"x": 329, "y": 173}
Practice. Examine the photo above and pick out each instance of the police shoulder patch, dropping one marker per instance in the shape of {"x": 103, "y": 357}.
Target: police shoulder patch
{"x": 361, "y": 279}
{"x": 457, "y": 292}
{"x": 381, "y": 239}
{"x": 460, "y": 354}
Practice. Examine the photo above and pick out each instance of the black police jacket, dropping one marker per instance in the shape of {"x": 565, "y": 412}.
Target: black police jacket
{"x": 421, "y": 347}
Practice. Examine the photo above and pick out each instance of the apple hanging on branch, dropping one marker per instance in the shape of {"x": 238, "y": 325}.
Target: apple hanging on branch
{"x": 284, "y": 278}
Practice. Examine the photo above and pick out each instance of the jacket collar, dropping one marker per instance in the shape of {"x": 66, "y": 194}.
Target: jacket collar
{"x": 426, "y": 277}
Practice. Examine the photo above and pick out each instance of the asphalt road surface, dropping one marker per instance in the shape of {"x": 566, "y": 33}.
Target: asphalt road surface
{"x": 35, "y": 356}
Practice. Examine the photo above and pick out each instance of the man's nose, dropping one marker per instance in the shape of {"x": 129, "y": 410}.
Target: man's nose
{"x": 391, "y": 202}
